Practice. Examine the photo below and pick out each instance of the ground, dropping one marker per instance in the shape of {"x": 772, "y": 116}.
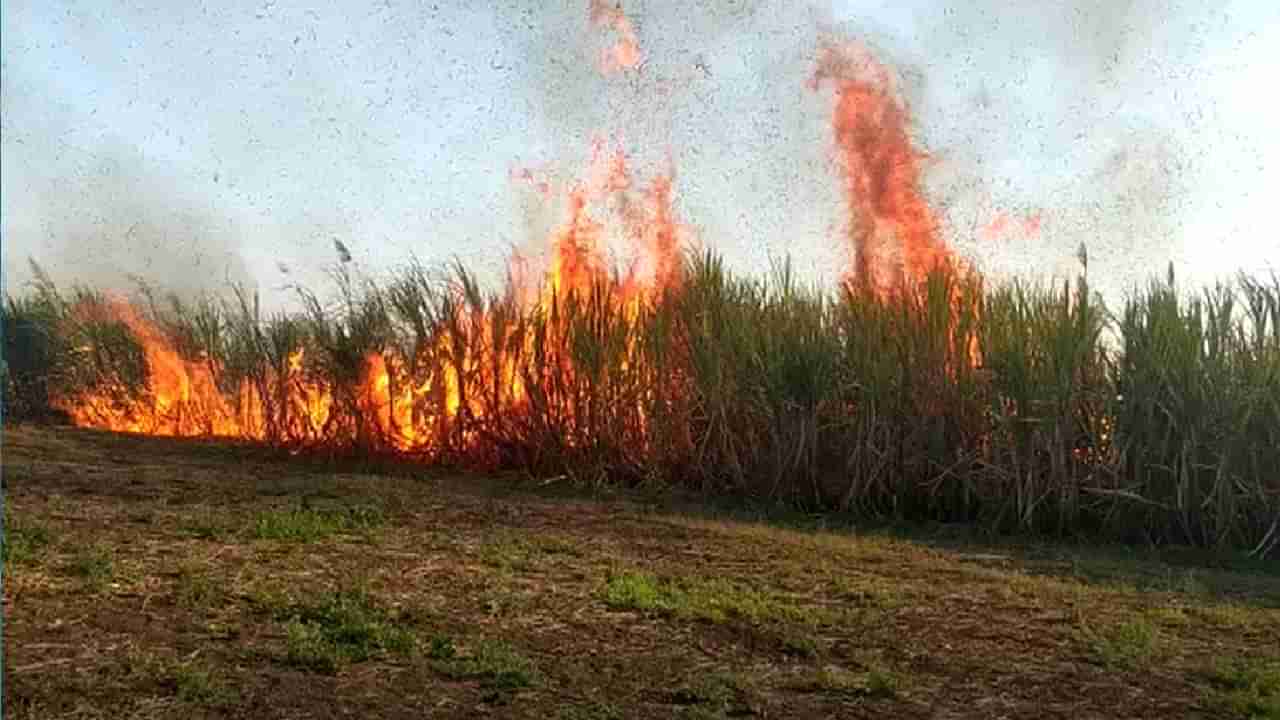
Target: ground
{"x": 154, "y": 578}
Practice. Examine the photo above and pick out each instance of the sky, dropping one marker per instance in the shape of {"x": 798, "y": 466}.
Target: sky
{"x": 200, "y": 145}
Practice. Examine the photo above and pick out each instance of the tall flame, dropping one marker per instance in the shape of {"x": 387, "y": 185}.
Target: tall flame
{"x": 894, "y": 231}
{"x": 654, "y": 234}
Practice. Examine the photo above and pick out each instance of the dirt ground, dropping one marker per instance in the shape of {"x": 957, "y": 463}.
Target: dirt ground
{"x": 156, "y": 578}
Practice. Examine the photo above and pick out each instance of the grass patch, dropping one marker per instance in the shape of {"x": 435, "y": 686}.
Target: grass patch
{"x": 312, "y": 524}
{"x": 714, "y": 600}
{"x": 495, "y": 664}
{"x": 23, "y": 542}
{"x": 190, "y": 682}
{"x": 343, "y": 627}
{"x": 197, "y": 685}
{"x": 508, "y": 555}
{"x": 1126, "y": 645}
{"x": 1169, "y": 616}
{"x": 883, "y": 683}
{"x": 801, "y": 646}
{"x": 637, "y": 591}
{"x": 716, "y": 694}
{"x": 196, "y": 589}
{"x": 515, "y": 553}
{"x": 866, "y": 594}
{"x": 1248, "y": 688}
{"x": 1228, "y": 615}
{"x": 94, "y": 564}
{"x": 715, "y": 690}
{"x": 876, "y": 682}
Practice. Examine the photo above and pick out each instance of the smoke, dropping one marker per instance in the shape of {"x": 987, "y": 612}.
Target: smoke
{"x": 1048, "y": 116}
{"x": 1048, "y": 122}
{"x": 719, "y": 94}
{"x": 87, "y": 202}
{"x": 104, "y": 216}
{"x": 1083, "y": 120}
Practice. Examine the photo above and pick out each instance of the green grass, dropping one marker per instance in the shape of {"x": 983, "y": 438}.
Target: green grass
{"x": 196, "y": 589}
{"x": 497, "y": 665}
{"x": 1126, "y": 645}
{"x": 95, "y": 565}
{"x": 876, "y": 682}
{"x": 713, "y": 600}
{"x": 198, "y": 685}
{"x": 23, "y": 542}
{"x": 1248, "y": 688}
{"x": 514, "y": 553}
{"x": 309, "y": 524}
{"x": 341, "y": 628}
{"x": 867, "y": 594}
{"x": 638, "y": 591}
{"x": 715, "y": 691}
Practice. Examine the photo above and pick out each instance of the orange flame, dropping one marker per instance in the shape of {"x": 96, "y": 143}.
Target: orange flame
{"x": 655, "y": 236}
{"x": 894, "y": 231}
{"x": 623, "y": 54}
{"x": 391, "y": 403}
{"x": 183, "y": 398}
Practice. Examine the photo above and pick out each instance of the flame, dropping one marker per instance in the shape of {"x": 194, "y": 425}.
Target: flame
{"x": 182, "y": 397}
{"x": 894, "y": 231}
{"x": 1004, "y": 225}
{"x": 473, "y": 375}
{"x": 623, "y": 54}
{"x": 654, "y": 234}
{"x": 467, "y": 376}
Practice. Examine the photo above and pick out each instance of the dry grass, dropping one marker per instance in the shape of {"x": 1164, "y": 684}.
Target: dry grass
{"x": 740, "y": 387}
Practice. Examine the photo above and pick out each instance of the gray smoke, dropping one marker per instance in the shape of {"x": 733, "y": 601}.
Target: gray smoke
{"x": 1053, "y": 109}
{"x": 104, "y": 216}
{"x": 275, "y": 129}
{"x": 1045, "y": 109}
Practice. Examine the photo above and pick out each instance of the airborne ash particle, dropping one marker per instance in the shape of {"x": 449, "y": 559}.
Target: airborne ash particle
{"x": 344, "y": 255}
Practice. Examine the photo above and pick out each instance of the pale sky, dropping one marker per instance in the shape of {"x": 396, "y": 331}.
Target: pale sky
{"x": 196, "y": 144}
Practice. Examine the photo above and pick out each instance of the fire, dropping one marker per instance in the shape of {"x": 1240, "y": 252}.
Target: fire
{"x": 1004, "y": 225}
{"x": 474, "y": 378}
{"x": 654, "y": 235}
{"x": 469, "y": 373}
{"x": 623, "y": 54}
{"x": 183, "y": 397}
{"x": 894, "y": 232}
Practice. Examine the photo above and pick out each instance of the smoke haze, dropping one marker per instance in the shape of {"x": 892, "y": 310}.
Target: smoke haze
{"x": 200, "y": 146}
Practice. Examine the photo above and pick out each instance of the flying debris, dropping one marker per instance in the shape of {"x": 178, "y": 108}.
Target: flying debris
{"x": 344, "y": 255}
{"x": 701, "y": 64}
{"x": 284, "y": 269}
